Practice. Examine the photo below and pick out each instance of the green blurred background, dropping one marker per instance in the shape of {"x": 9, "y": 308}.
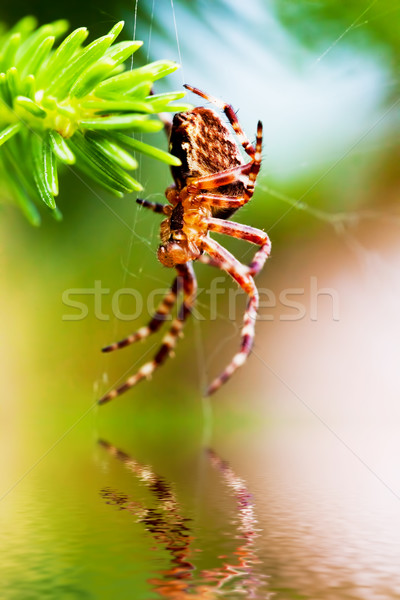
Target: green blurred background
{"x": 309, "y": 421}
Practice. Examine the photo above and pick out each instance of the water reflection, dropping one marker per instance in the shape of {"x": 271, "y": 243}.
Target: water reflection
{"x": 164, "y": 522}
{"x": 238, "y": 577}
{"x": 247, "y": 533}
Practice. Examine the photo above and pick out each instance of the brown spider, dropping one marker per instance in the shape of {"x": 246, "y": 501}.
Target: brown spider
{"x": 210, "y": 185}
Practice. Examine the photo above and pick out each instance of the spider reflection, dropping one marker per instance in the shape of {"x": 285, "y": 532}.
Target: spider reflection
{"x": 236, "y": 578}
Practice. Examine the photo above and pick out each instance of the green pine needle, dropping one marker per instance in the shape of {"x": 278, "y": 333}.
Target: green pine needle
{"x": 74, "y": 105}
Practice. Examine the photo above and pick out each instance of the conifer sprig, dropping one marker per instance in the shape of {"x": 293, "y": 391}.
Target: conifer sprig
{"x": 74, "y": 105}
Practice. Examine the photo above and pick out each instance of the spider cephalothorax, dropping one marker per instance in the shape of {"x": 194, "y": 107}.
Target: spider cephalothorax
{"x": 212, "y": 182}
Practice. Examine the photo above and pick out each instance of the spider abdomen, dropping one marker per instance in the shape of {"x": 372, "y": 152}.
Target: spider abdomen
{"x": 205, "y": 146}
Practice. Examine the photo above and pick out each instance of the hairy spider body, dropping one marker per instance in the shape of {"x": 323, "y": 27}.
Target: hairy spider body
{"x": 212, "y": 182}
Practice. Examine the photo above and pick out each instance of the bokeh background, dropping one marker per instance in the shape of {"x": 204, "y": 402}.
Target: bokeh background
{"x": 310, "y": 508}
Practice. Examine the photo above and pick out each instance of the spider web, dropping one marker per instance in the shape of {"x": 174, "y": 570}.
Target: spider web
{"x": 343, "y": 222}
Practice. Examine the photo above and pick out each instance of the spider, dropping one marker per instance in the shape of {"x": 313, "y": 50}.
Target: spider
{"x": 210, "y": 185}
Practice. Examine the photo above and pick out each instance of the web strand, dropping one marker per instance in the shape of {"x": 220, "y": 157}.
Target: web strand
{"x": 353, "y": 25}
{"x": 177, "y": 41}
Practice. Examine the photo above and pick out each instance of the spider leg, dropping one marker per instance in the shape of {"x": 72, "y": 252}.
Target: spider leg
{"x": 255, "y": 165}
{"x": 186, "y": 273}
{"x": 208, "y": 260}
{"x": 222, "y": 201}
{"x": 231, "y": 115}
{"x": 209, "y": 182}
{"x": 154, "y": 206}
{"x": 244, "y": 232}
{"x": 226, "y": 261}
{"x": 159, "y": 317}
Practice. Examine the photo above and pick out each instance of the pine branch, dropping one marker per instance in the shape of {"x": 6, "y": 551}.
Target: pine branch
{"x": 74, "y": 105}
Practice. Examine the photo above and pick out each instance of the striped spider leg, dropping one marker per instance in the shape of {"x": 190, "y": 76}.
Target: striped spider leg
{"x": 219, "y": 257}
{"x": 242, "y": 232}
{"x": 185, "y": 279}
{"x": 165, "y": 306}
